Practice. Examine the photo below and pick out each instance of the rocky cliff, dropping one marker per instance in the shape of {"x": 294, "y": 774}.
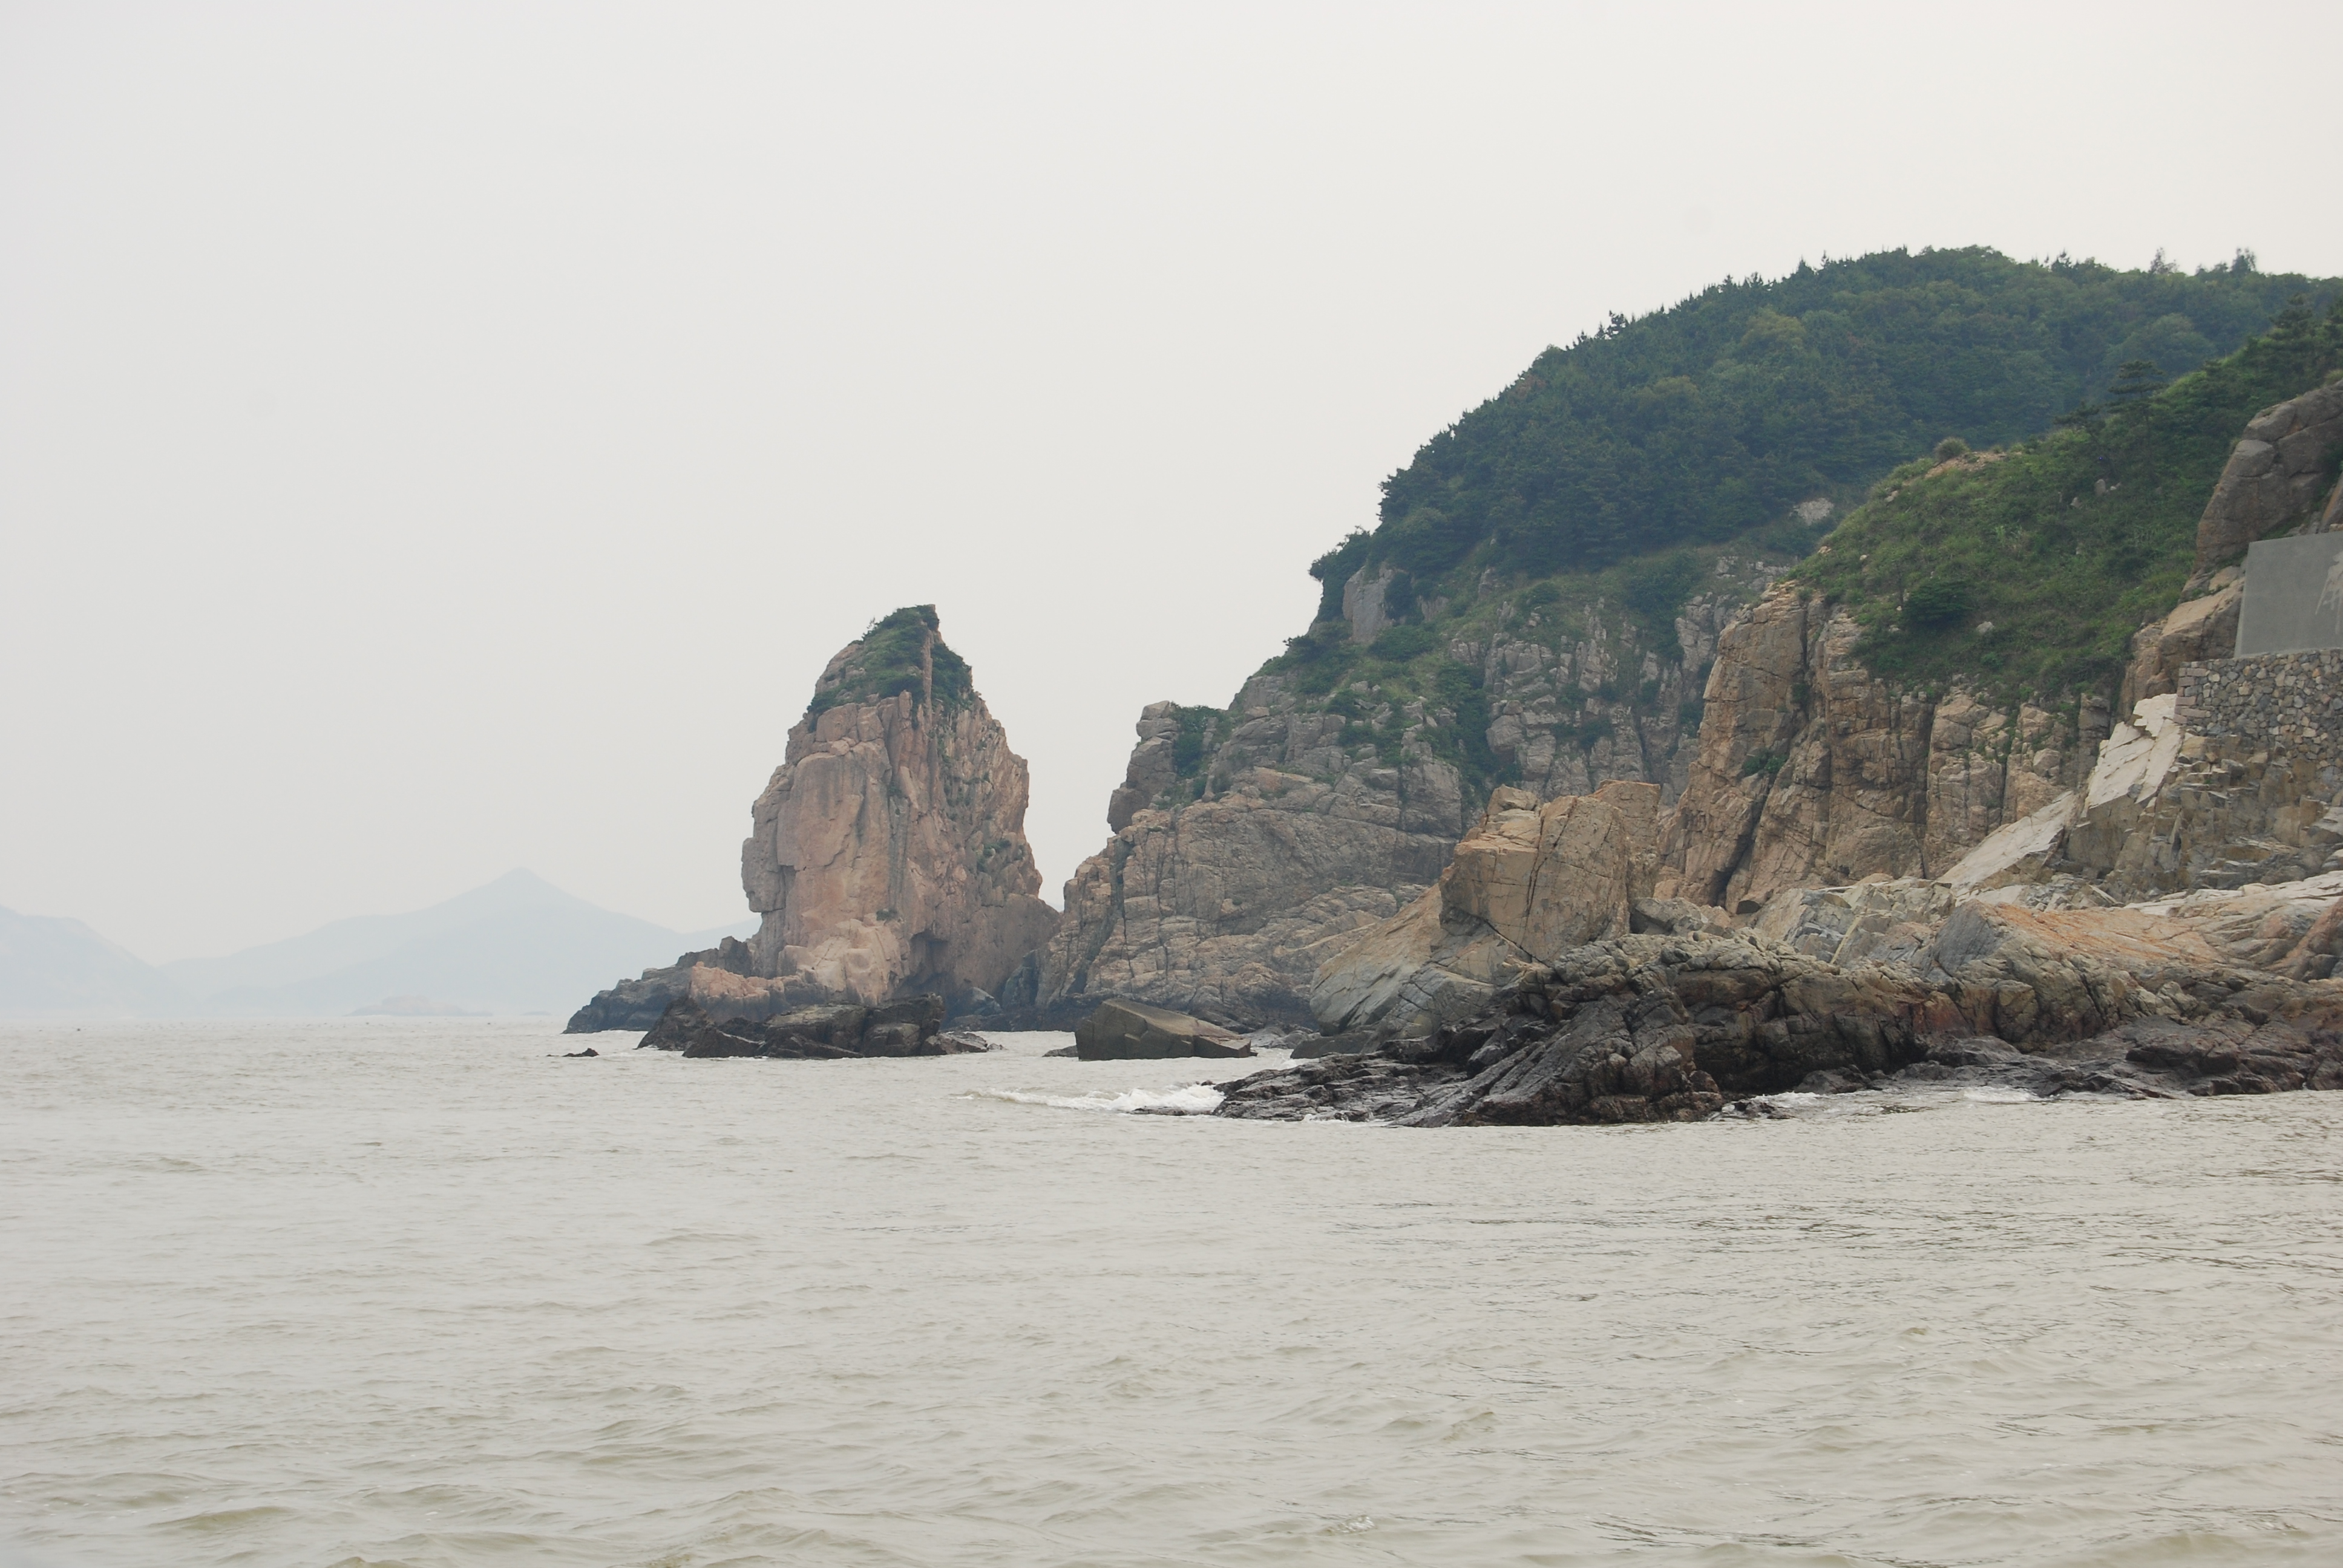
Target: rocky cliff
{"x": 1551, "y": 578}
{"x": 1810, "y": 770}
{"x": 888, "y": 851}
{"x": 1249, "y": 843}
{"x": 888, "y": 854}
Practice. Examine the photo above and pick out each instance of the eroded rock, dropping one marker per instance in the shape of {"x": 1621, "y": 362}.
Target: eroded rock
{"x": 1125, "y": 1030}
{"x": 1654, "y": 1027}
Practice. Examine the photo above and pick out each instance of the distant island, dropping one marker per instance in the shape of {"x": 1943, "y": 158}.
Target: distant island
{"x": 414, "y": 1006}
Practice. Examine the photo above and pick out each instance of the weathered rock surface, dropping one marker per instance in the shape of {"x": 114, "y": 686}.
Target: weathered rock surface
{"x": 908, "y": 1026}
{"x": 1532, "y": 880}
{"x": 2197, "y": 630}
{"x": 640, "y": 1003}
{"x": 1301, "y": 821}
{"x": 888, "y": 851}
{"x": 887, "y": 855}
{"x": 1811, "y": 771}
{"x": 2276, "y": 476}
{"x": 1652, "y": 1027}
{"x": 2235, "y": 780}
{"x": 1132, "y": 1030}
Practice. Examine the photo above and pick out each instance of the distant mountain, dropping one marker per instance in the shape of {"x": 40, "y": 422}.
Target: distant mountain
{"x": 517, "y": 945}
{"x": 53, "y": 966}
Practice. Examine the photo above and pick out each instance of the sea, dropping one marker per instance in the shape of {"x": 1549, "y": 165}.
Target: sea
{"x": 430, "y": 1292}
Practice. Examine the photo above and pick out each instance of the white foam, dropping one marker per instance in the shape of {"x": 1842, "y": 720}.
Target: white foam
{"x": 1188, "y": 1100}
{"x": 1999, "y": 1096}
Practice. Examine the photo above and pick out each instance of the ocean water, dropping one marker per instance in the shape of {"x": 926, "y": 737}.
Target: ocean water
{"x": 421, "y": 1292}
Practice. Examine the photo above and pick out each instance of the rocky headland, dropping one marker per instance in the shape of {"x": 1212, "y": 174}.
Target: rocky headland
{"x": 888, "y": 854}
{"x": 1869, "y": 880}
{"x": 1605, "y": 788}
{"x": 1541, "y": 609}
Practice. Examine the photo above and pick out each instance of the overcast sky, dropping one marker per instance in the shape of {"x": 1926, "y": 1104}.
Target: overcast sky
{"x": 439, "y": 438}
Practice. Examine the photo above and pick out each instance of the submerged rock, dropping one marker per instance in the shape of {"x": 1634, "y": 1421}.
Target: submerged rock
{"x": 1132, "y": 1030}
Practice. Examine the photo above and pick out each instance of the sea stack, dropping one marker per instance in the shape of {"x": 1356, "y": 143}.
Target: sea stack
{"x": 889, "y": 853}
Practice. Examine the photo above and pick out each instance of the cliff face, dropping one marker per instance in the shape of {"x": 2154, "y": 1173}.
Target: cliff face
{"x": 888, "y": 851}
{"x": 1811, "y": 771}
{"x": 1251, "y": 843}
{"x": 1532, "y": 880}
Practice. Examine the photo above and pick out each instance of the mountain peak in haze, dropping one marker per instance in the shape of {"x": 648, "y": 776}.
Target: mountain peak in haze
{"x": 517, "y": 944}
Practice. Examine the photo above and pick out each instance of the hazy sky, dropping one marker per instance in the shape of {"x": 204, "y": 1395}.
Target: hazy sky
{"x": 437, "y": 439}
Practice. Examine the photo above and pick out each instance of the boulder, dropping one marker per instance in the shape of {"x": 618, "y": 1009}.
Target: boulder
{"x": 1132, "y": 1030}
{"x": 2276, "y": 476}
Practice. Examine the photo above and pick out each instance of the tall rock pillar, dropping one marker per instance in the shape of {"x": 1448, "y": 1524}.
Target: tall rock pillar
{"x": 889, "y": 851}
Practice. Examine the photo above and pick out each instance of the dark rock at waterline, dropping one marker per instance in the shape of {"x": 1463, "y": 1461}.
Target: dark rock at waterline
{"x": 640, "y": 1002}
{"x": 1136, "y": 1031}
{"x": 573, "y": 1055}
{"x": 1671, "y": 1027}
{"x": 908, "y": 1027}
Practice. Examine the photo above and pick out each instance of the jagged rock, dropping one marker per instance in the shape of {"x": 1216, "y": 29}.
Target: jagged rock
{"x": 1651, "y": 1028}
{"x": 1153, "y": 769}
{"x": 1531, "y": 880}
{"x": 2197, "y": 630}
{"x": 1811, "y": 771}
{"x": 905, "y": 1027}
{"x": 1232, "y": 878}
{"x": 889, "y": 852}
{"x": 2276, "y": 474}
{"x": 1226, "y": 904}
{"x": 1132, "y": 1031}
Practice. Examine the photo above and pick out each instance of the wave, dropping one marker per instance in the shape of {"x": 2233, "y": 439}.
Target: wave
{"x": 1187, "y": 1099}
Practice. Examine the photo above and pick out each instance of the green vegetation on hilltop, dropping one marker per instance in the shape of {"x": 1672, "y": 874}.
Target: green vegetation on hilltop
{"x": 1712, "y": 418}
{"x": 900, "y": 652}
{"x": 2066, "y": 545}
{"x": 1678, "y": 455}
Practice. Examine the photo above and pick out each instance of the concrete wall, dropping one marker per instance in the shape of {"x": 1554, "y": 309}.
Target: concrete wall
{"x": 2294, "y": 595}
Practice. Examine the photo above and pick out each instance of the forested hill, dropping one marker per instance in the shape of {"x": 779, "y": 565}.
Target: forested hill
{"x": 1714, "y": 417}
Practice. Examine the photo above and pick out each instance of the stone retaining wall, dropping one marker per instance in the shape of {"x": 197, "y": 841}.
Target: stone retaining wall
{"x": 2287, "y": 704}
